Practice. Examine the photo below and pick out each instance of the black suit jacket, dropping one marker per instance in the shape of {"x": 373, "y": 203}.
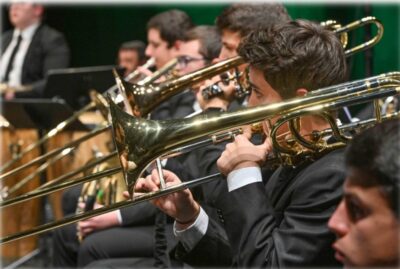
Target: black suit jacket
{"x": 48, "y": 50}
{"x": 280, "y": 224}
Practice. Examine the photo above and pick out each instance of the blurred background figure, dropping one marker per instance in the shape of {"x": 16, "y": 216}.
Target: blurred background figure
{"x": 29, "y": 51}
{"x": 131, "y": 55}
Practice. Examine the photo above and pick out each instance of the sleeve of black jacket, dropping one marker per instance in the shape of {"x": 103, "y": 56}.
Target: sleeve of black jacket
{"x": 301, "y": 237}
{"x": 140, "y": 214}
{"x": 213, "y": 250}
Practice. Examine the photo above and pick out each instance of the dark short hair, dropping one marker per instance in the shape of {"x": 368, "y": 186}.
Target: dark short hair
{"x": 137, "y": 46}
{"x": 375, "y": 153}
{"x": 210, "y": 40}
{"x": 172, "y": 24}
{"x": 244, "y": 18}
{"x": 296, "y": 54}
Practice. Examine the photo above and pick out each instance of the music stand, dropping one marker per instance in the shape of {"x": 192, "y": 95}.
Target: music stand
{"x": 39, "y": 114}
{"x": 73, "y": 84}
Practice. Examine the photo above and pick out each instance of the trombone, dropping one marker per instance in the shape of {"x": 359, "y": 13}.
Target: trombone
{"x": 343, "y": 30}
{"x": 139, "y": 141}
{"x": 354, "y": 87}
{"x": 142, "y": 98}
{"x": 97, "y": 101}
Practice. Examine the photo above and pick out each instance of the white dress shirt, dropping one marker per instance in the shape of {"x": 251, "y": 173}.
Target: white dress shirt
{"x": 16, "y": 72}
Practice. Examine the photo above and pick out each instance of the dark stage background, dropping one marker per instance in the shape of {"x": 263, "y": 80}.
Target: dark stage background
{"x": 94, "y": 32}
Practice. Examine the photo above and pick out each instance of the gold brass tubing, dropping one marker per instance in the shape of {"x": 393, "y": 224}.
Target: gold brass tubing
{"x": 340, "y": 136}
{"x": 315, "y": 146}
{"x": 143, "y": 99}
{"x": 353, "y": 98}
{"x": 358, "y": 125}
{"x": 106, "y": 209}
{"x": 357, "y": 24}
{"x": 55, "y": 152}
{"x": 215, "y": 139}
{"x": 77, "y": 171}
{"x": 61, "y": 126}
{"x": 61, "y": 186}
{"x": 377, "y": 110}
{"x": 157, "y": 74}
{"x": 133, "y": 75}
{"x": 373, "y": 81}
{"x": 43, "y": 167}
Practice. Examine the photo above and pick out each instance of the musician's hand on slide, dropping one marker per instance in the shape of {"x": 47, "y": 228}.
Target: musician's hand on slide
{"x": 179, "y": 205}
{"x": 97, "y": 223}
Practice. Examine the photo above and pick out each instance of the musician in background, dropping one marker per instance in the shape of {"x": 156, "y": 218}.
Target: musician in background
{"x": 234, "y": 23}
{"x": 102, "y": 233}
{"x": 278, "y": 221}
{"x": 131, "y": 55}
{"x": 29, "y": 51}
{"x": 366, "y": 222}
{"x": 199, "y": 46}
{"x": 165, "y": 34}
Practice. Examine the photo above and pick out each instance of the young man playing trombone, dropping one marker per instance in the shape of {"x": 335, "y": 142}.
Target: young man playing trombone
{"x": 281, "y": 222}
{"x": 233, "y": 24}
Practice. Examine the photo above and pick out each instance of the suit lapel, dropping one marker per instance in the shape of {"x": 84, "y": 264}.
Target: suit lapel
{"x": 279, "y": 187}
{"x": 31, "y": 51}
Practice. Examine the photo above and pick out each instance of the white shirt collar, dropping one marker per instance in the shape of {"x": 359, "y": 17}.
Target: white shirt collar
{"x": 28, "y": 32}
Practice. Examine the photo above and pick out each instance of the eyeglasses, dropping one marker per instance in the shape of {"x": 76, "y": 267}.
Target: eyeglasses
{"x": 185, "y": 60}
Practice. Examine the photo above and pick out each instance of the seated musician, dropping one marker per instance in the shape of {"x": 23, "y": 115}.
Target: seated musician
{"x": 278, "y": 221}
{"x": 366, "y": 222}
{"x": 131, "y": 55}
{"x": 28, "y": 51}
{"x": 164, "y": 37}
{"x": 234, "y": 23}
{"x": 102, "y": 233}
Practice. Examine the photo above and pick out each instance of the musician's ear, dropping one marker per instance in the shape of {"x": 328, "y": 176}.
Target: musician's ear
{"x": 301, "y": 92}
{"x": 177, "y": 44}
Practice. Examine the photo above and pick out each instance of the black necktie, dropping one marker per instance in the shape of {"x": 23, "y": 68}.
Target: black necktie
{"x": 10, "y": 62}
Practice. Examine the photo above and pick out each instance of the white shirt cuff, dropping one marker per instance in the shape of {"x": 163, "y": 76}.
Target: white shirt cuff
{"x": 243, "y": 176}
{"x": 190, "y": 236}
{"x": 119, "y": 216}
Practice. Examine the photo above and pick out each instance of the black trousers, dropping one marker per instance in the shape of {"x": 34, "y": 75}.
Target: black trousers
{"x": 116, "y": 242}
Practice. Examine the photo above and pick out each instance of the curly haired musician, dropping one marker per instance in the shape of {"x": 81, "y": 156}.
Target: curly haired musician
{"x": 276, "y": 221}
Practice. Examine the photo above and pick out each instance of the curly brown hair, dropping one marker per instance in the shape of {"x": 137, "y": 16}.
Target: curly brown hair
{"x": 244, "y": 18}
{"x": 294, "y": 55}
